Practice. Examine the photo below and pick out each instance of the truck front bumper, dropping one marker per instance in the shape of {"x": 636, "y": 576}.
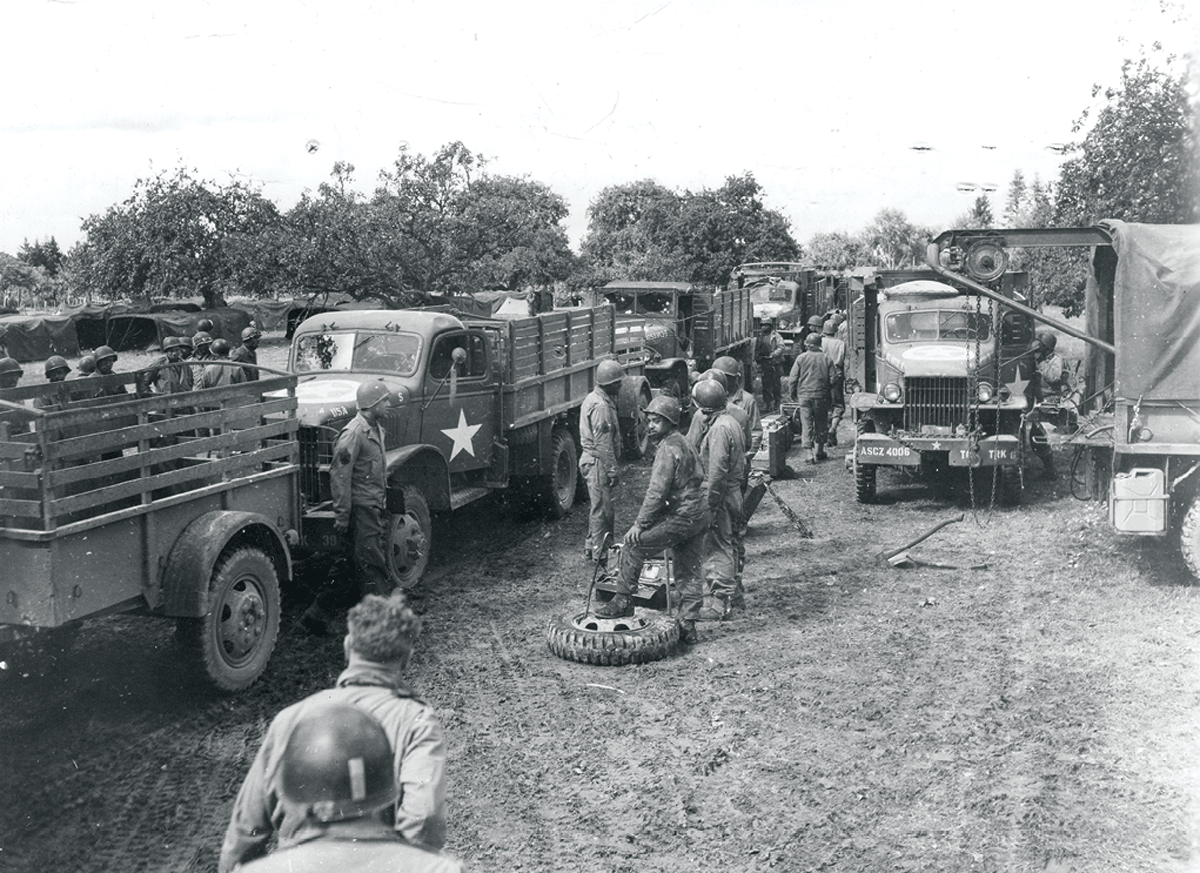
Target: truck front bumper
{"x": 994, "y": 451}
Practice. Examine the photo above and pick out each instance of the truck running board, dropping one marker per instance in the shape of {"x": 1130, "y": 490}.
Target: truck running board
{"x": 462, "y": 496}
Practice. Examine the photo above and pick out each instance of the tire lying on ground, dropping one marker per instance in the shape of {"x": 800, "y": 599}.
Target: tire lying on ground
{"x": 612, "y": 642}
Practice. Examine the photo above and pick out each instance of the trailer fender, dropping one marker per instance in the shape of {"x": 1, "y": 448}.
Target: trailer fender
{"x": 425, "y": 468}
{"x": 189, "y": 567}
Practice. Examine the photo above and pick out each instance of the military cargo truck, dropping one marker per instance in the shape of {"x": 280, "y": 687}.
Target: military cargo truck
{"x": 789, "y": 294}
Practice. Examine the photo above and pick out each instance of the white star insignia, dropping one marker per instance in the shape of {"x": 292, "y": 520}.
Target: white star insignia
{"x": 1017, "y": 386}
{"x": 937, "y": 445}
{"x": 462, "y": 436}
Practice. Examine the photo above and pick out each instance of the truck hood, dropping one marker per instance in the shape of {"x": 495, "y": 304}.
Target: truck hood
{"x": 322, "y": 399}
{"x": 934, "y": 359}
{"x": 769, "y": 310}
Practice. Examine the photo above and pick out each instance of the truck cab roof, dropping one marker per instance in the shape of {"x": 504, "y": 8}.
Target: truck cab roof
{"x": 425, "y": 322}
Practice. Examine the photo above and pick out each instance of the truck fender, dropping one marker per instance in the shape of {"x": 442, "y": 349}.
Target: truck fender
{"x": 189, "y": 566}
{"x": 864, "y": 401}
{"x": 635, "y": 392}
{"x": 670, "y": 376}
{"x": 425, "y": 468}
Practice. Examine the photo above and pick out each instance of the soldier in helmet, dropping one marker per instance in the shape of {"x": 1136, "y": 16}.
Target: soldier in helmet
{"x": 336, "y": 772}
{"x": 813, "y": 326}
{"x": 737, "y": 395}
{"x": 105, "y": 359}
{"x": 835, "y": 350}
{"x": 1048, "y": 385}
{"x": 10, "y": 373}
{"x": 722, "y": 454}
{"x": 169, "y": 374}
{"x": 57, "y": 395}
{"x": 672, "y": 516}
{"x": 358, "y": 482}
{"x": 808, "y": 384}
{"x": 600, "y": 444}
{"x": 201, "y": 353}
{"x": 247, "y": 352}
{"x": 768, "y": 352}
{"x": 216, "y": 374}
{"x": 382, "y": 632}
{"x": 87, "y": 366}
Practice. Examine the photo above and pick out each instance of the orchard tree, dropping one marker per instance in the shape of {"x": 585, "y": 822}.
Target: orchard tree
{"x": 176, "y": 236}
{"x": 893, "y": 242}
{"x": 836, "y": 250}
{"x": 46, "y": 255}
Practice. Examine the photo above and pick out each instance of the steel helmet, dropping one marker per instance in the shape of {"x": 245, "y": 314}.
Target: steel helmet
{"x": 204, "y": 325}
{"x": 201, "y": 339}
{"x": 609, "y": 373}
{"x": 104, "y": 353}
{"x": 220, "y": 347}
{"x": 10, "y": 365}
{"x": 338, "y": 764}
{"x": 87, "y": 365}
{"x": 727, "y": 365}
{"x": 829, "y": 328}
{"x": 1047, "y": 339}
{"x": 716, "y": 376}
{"x": 709, "y": 395}
{"x": 251, "y": 332}
{"x": 815, "y": 322}
{"x": 56, "y": 362}
{"x": 371, "y": 393}
{"x": 837, "y": 318}
{"x": 812, "y": 341}
{"x": 666, "y": 407}
{"x": 174, "y": 342}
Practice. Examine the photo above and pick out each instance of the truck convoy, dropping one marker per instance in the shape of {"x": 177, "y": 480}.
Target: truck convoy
{"x": 938, "y": 379}
{"x": 677, "y": 323}
{"x": 193, "y": 506}
{"x": 1143, "y": 326}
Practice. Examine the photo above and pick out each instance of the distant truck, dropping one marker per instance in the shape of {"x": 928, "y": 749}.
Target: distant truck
{"x": 1143, "y": 326}
{"x": 788, "y": 294}
{"x": 489, "y": 405}
{"x": 679, "y": 323}
{"x": 937, "y": 379}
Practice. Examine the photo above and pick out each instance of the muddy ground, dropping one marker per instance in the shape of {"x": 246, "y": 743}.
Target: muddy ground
{"x": 1041, "y": 713}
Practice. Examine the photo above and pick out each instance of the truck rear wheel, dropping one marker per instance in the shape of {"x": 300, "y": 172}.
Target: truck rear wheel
{"x": 230, "y": 646}
{"x": 636, "y": 430}
{"x": 1189, "y": 538}
{"x": 864, "y": 474}
{"x": 410, "y": 536}
{"x": 556, "y": 489}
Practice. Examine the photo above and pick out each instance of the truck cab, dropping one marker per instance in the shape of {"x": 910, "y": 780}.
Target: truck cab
{"x": 787, "y": 294}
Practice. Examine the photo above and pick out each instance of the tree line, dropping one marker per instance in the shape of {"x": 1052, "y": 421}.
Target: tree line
{"x": 444, "y": 223}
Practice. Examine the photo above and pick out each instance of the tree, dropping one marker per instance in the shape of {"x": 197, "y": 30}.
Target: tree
{"x": 46, "y": 255}
{"x": 1138, "y": 161}
{"x": 836, "y": 250}
{"x": 631, "y": 236}
{"x": 177, "y": 236}
{"x": 893, "y": 242}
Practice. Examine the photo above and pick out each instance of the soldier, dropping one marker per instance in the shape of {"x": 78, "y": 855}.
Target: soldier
{"x": 169, "y": 374}
{"x": 768, "y": 352}
{"x": 217, "y": 374}
{"x": 381, "y": 637}
{"x": 105, "y": 359}
{"x": 835, "y": 350}
{"x": 10, "y": 373}
{"x": 672, "y": 517}
{"x": 600, "y": 442}
{"x": 722, "y": 458}
{"x": 1049, "y": 382}
{"x": 358, "y": 482}
{"x": 336, "y": 771}
{"x": 57, "y": 396}
{"x": 201, "y": 354}
{"x": 813, "y": 326}
{"x": 247, "y": 352}
{"x": 700, "y": 424}
{"x": 741, "y": 398}
{"x": 87, "y": 366}
{"x": 808, "y": 383}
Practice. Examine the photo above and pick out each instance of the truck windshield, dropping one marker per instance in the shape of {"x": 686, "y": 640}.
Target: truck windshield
{"x": 395, "y": 353}
{"x": 643, "y": 303}
{"x": 926, "y": 325}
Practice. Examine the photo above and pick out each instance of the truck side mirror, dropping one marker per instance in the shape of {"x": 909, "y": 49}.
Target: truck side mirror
{"x": 459, "y": 356}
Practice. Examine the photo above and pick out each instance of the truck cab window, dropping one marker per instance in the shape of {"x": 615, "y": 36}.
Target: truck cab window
{"x": 442, "y": 358}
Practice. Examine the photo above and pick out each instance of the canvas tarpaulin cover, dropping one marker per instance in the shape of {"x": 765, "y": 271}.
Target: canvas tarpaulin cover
{"x": 1156, "y": 310}
{"x": 37, "y": 337}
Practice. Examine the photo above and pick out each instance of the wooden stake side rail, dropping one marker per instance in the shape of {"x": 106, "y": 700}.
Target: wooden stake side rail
{"x": 103, "y": 456}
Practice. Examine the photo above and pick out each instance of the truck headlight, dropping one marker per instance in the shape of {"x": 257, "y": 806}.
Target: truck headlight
{"x": 985, "y": 392}
{"x": 892, "y": 392}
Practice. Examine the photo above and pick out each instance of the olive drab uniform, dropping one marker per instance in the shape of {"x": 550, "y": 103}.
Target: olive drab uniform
{"x": 243, "y": 355}
{"x": 600, "y": 442}
{"x": 722, "y": 458}
{"x": 808, "y": 383}
{"x": 835, "y": 350}
{"x": 768, "y": 352}
{"x": 358, "y": 482}
{"x": 1048, "y": 384}
{"x": 672, "y": 516}
{"x": 166, "y": 377}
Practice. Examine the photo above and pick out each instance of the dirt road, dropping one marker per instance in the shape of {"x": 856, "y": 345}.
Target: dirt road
{"x": 1040, "y": 714}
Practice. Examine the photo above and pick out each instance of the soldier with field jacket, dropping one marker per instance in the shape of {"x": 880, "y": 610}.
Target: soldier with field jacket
{"x": 722, "y": 458}
{"x": 600, "y": 444}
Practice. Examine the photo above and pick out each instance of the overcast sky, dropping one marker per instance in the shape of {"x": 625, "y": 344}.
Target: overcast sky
{"x": 821, "y": 101}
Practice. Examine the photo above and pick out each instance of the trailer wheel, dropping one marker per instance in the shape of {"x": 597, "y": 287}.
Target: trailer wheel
{"x": 230, "y": 646}
{"x": 409, "y": 537}
{"x": 557, "y": 488}
{"x": 1189, "y": 538}
{"x": 586, "y": 639}
{"x": 864, "y": 474}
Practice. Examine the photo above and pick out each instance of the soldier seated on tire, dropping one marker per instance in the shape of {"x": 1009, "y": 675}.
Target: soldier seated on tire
{"x": 672, "y": 516}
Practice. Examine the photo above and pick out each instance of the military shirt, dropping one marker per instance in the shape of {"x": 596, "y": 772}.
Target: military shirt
{"x": 243, "y": 355}
{"x": 218, "y": 376}
{"x": 358, "y": 471}
{"x": 675, "y": 482}
{"x": 415, "y": 733}
{"x": 170, "y": 378}
{"x": 835, "y": 350}
{"x": 748, "y": 403}
{"x": 599, "y": 430}
{"x": 723, "y": 459}
{"x": 810, "y": 376}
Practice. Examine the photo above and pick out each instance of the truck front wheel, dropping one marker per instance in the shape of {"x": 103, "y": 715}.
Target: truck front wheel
{"x": 864, "y": 474}
{"x": 1189, "y": 538}
{"x": 557, "y": 488}
{"x": 231, "y": 645}
{"x": 409, "y": 538}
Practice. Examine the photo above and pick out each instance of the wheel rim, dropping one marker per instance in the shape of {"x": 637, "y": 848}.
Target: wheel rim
{"x": 241, "y": 620}
{"x": 408, "y": 546}
{"x": 564, "y": 486}
{"x": 590, "y": 623}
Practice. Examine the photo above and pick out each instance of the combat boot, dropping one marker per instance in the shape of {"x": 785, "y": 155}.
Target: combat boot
{"x": 821, "y": 456}
{"x": 714, "y": 609}
{"x": 687, "y": 632}
{"x": 619, "y": 607}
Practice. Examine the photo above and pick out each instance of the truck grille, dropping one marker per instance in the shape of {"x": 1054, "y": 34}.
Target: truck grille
{"x": 316, "y": 452}
{"x": 935, "y": 401}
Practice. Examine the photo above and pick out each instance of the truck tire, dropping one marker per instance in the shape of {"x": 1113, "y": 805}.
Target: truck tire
{"x": 230, "y": 646}
{"x": 410, "y": 538}
{"x": 580, "y": 638}
{"x": 864, "y": 474}
{"x": 1189, "y": 538}
{"x": 556, "y": 489}
{"x": 635, "y": 431}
